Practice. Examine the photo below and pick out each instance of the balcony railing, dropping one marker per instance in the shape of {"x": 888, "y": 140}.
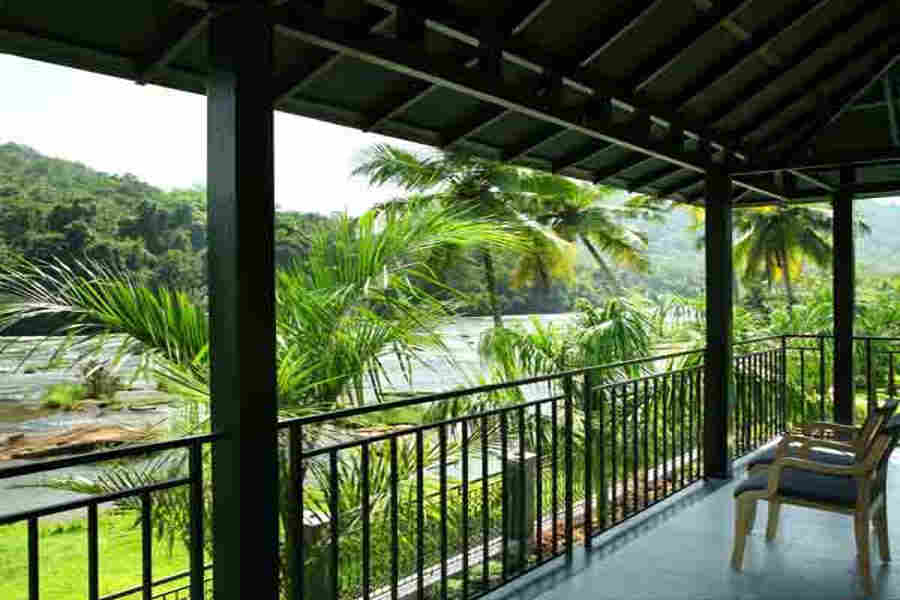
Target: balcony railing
{"x": 497, "y": 481}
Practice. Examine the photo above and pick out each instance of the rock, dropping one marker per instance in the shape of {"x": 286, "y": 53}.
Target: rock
{"x": 79, "y": 439}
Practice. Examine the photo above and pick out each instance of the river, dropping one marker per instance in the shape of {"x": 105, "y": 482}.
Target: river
{"x": 29, "y": 366}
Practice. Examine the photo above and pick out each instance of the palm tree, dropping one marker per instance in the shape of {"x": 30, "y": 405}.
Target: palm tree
{"x": 506, "y": 194}
{"x": 776, "y": 242}
{"x": 580, "y": 212}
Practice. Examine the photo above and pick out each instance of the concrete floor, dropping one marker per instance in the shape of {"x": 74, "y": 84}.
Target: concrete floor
{"x": 681, "y": 549}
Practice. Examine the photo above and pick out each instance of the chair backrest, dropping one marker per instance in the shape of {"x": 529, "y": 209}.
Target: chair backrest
{"x": 873, "y": 424}
{"x": 891, "y": 430}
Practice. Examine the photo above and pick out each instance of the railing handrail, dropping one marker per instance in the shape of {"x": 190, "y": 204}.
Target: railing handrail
{"x": 481, "y": 389}
{"x": 106, "y": 455}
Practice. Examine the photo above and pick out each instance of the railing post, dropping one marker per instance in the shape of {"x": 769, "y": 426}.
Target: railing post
{"x": 522, "y": 469}
{"x": 241, "y": 211}
{"x": 719, "y": 307}
{"x": 844, "y": 286}
{"x": 783, "y": 372}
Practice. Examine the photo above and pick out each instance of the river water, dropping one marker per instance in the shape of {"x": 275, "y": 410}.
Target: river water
{"x": 28, "y": 367}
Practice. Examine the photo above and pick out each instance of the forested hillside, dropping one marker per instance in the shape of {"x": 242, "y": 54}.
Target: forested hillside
{"x": 57, "y": 209}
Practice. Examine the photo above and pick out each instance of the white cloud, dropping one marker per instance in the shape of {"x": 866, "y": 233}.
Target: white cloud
{"x": 159, "y": 135}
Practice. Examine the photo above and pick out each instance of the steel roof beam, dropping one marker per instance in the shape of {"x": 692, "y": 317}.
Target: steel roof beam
{"x": 809, "y": 49}
{"x": 673, "y": 52}
{"x": 178, "y": 32}
{"x": 747, "y": 49}
{"x": 612, "y": 31}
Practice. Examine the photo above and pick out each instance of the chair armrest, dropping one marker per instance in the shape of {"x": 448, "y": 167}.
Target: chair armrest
{"x": 860, "y": 469}
{"x": 791, "y": 440}
{"x": 818, "y": 427}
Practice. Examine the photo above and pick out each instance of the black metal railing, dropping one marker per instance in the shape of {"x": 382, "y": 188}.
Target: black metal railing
{"x": 488, "y": 483}
{"x": 184, "y": 459}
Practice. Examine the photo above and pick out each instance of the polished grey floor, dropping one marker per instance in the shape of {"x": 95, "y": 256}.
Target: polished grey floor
{"x": 681, "y": 549}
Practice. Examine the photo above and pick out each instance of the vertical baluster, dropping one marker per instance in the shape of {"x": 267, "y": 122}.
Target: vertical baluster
{"x": 334, "y": 508}
{"x": 366, "y": 521}
{"x": 821, "y": 378}
{"x": 625, "y": 415}
{"x": 539, "y": 481}
{"x": 892, "y": 390}
{"x": 782, "y": 371}
{"x": 465, "y": 506}
{"x": 93, "y": 553}
{"x": 420, "y": 513}
{"x": 691, "y": 431}
{"x": 395, "y": 519}
{"x": 485, "y": 505}
{"x": 803, "y": 417}
{"x": 442, "y": 491}
{"x": 870, "y": 379}
{"x": 34, "y": 569}
{"x": 146, "y": 547}
{"x": 737, "y": 415}
{"x": 613, "y": 438}
{"x": 665, "y": 436}
{"x": 635, "y": 430}
{"x": 699, "y": 420}
{"x": 554, "y": 470}
{"x": 523, "y": 491}
{"x": 569, "y": 430}
{"x": 646, "y": 460}
{"x": 587, "y": 394}
{"x": 504, "y": 506}
{"x": 655, "y": 440}
{"x": 603, "y": 492}
{"x": 295, "y": 562}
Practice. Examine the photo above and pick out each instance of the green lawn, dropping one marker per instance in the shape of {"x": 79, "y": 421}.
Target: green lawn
{"x": 63, "y": 559}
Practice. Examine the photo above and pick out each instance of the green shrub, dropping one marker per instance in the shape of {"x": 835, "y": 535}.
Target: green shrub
{"x": 67, "y": 396}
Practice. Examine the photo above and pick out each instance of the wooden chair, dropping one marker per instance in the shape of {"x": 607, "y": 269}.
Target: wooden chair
{"x": 844, "y": 448}
{"x": 858, "y": 490}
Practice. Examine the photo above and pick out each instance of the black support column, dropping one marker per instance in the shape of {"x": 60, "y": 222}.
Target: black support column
{"x": 242, "y": 303}
{"x": 719, "y": 281}
{"x": 844, "y": 282}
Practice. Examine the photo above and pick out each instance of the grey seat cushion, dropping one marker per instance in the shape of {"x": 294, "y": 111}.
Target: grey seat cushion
{"x": 767, "y": 457}
{"x": 814, "y": 487}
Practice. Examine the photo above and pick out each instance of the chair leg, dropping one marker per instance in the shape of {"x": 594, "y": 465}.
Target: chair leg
{"x": 861, "y": 529}
{"x": 881, "y": 529}
{"x": 751, "y": 518}
{"x": 745, "y": 509}
{"x": 772, "y": 525}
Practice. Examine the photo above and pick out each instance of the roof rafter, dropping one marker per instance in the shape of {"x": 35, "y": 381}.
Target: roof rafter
{"x": 748, "y": 49}
{"x": 834, "y": 67}
{"x": 524, "y": 18}
{"x": 672, "y": 52}
{"x": 529, "y": 146}
{"x": 633, "y": 160}
{"x": 611, "y": 31}
{"x": 681, "y": 185}
{"x": 807, "y": 51}
{"x": 848, "y": 96}
{"x": 651, "y": 178}
{"x": 579, "y": 156}
{"x": 179, "y": 31}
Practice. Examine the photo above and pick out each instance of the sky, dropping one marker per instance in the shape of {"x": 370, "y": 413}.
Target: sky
{"x": 159, "y": 135}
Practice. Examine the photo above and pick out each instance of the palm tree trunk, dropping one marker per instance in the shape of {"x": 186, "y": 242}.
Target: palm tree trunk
{"x": 490, "y": 281}
{"x": 788, "y": 286}
{"x": 610, "y": 282}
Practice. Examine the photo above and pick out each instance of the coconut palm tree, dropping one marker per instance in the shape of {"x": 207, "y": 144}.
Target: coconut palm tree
{"x": 500, "y": 192}
{"x": 583, "y": 213}
{"x": 776, "y": 242}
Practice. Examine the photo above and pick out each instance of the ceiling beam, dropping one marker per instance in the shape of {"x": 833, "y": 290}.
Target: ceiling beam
{"x": 577, "y": 157}
{"x": 527, "y": 17}
{"x": 816, "y": 181}
{"x": 612, "y": 30}
{"x": 747, "y": 49}
{"x": 846, "y": 98}
{"x": 651, "y": 178}
{"x": 804, "y": 53}
{"x": 682, "y": 185}
{"x": 893, "y": 117}
{"x": 628, "y": 162}
{"x": 673, "y": 52}
{"x": 178, "y": 32}
{"x": 529, "y": 146}
{"x": 839, "y": 65}
{"x": 825, "y": 162}
{"x": 453, "y": 138}
{"x": 308, "y": 25}
{"x": 443, "y": 18}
